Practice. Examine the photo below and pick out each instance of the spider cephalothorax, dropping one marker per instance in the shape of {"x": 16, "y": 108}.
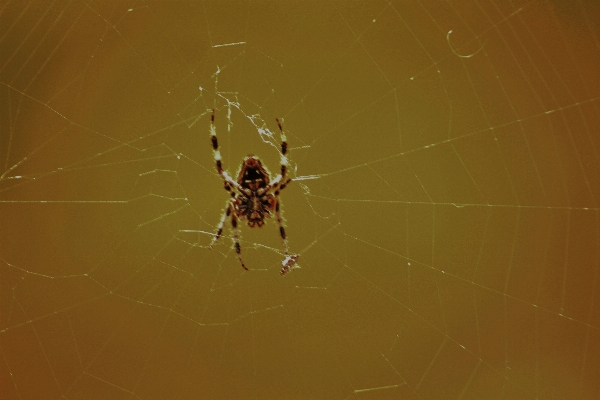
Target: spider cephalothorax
{"x": 252, "y": 174}
{"x": 251, "y": 198}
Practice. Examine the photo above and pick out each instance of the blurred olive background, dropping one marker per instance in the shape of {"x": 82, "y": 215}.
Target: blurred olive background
{"x": 445, "y": 208}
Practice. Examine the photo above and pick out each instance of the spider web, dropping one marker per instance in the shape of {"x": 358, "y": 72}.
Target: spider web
{"x": 444, "y": 207}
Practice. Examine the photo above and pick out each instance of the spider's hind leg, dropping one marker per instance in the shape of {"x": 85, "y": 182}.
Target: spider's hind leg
{"x": 230, "y": 212}
{"x": 280, "y": 183}
{"x": 236, "y": 239}
{"x": 226, "y": 214}
{"x": 290, "y": 260}
{"x": 281, "y": 226}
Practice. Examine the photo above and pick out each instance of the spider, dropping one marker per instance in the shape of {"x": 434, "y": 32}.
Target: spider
{"x": 254, "y": 196}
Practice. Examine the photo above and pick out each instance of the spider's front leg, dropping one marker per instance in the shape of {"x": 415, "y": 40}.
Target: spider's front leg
{"x": 284, "y": 163}
{"x": 229, "y": 183}
{"x": 280, "y": 182}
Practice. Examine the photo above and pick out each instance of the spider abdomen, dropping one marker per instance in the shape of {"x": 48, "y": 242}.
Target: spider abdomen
{"x": 254, "y": 209}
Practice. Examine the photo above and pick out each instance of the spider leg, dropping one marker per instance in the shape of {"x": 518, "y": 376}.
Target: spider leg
{"x": 281, "y": 226}
{"x": 279, "y": 184}
{"x": 230, "y": 212}
{"x": 284, "y": 163}
{"x": 236, "y": 238}
{"x": 226, "y": 214}
{"x": 280, "y": 181}
{"x": 229, "y": 183}
{"x": 289, "y": 262}
{"x": 283, "y": 186}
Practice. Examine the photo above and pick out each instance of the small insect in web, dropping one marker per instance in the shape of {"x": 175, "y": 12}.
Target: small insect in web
{"x": 254, "y": 196}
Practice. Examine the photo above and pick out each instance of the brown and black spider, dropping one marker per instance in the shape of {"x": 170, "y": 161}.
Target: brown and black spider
{"x": 251, "y": 198}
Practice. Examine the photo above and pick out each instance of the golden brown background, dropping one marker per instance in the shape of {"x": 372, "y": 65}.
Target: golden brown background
{"x": 445, "y": 209}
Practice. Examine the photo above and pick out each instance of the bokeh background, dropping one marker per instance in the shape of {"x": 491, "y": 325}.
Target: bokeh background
{"x": 445, "y": 203}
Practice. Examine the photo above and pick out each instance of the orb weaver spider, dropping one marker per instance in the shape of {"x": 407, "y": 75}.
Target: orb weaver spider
{"x": 254, "y": 196}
